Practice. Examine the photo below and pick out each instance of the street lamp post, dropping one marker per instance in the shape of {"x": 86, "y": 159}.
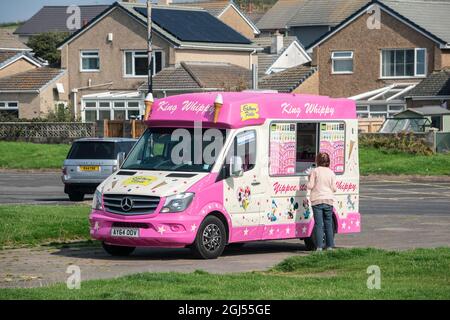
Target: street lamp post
{"x": 149, "y": 46}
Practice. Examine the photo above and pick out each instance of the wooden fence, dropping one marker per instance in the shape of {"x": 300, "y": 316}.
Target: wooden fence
{"x": 370, "y": 125}
{"x": 120, "y": 128}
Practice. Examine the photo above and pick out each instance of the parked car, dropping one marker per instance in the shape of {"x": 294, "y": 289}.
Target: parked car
{"x": 90, "y": 161}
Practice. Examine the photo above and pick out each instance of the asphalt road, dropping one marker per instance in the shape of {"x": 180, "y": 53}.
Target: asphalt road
{"x": 377, "y": 196}
{"x": 397, "y": 213}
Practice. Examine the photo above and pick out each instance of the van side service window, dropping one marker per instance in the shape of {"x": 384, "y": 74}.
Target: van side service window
{"x": 294, "y": 146}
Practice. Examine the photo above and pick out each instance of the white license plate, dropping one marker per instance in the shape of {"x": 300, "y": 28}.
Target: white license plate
{"x": 125, "y": 232}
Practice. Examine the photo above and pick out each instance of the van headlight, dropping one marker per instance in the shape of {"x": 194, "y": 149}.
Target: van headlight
{"x": 97, "y": 201}
{"x": 177, "y": 203}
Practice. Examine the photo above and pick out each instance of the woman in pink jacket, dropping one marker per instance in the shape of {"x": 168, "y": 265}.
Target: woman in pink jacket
{"x": 322, "y": 183}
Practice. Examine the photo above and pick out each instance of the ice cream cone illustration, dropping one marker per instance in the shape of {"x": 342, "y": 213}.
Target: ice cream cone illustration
{"x": 218, "y": 104}
{"x": 159, "y": 185}
{"x": 352, "y": 145}
{"x": 148, "y": 105}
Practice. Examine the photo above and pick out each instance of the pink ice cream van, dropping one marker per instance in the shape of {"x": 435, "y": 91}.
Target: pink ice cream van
{"x": 214, "y": 169}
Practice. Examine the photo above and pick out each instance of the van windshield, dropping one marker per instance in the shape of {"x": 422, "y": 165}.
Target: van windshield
{"x": 176, "y": 149}
{"x": 92, "y": 150}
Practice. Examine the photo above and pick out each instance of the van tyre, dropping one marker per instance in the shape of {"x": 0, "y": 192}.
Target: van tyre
{"x": 211, "y": 239}
{"x": 76, "y": 196}
{"x": 117, "y": 251}
{"x": 311, "y": 243}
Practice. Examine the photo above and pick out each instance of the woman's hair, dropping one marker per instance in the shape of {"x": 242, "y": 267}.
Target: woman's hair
{"x": 323, "y": 159}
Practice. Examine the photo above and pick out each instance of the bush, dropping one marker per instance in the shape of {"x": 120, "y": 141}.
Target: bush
{"x": 406, "y": 142}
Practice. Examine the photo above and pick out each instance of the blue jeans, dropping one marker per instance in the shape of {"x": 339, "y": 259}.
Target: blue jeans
{"x": 323, "y": 217}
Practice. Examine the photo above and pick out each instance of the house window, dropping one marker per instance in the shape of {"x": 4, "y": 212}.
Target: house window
{"x": 90, "y": 61}
{"x": 397, "y": 63}
{"x": 112, "y": 110}
{"x": 342, "y": 62}
{"x": 9, "y": 108}
{"x": 136, "y": 63}
{"x": 378, "y": 111}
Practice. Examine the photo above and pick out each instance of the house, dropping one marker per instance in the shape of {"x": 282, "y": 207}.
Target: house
{"x": 307, "y": 19}
{"x": 13, "y": 62}
{"x": 279, "y": 53}
{"x": 433, "y": 90}
{"x": 299, "y": 79}
{"x": 55, "y": 19}
{"x": 382, "y": 51}
{"x": 109, "y": 54}
{"x": 10, "y": 42}
{"x": 229, "y": 13}
{"x": 33, "y": 93}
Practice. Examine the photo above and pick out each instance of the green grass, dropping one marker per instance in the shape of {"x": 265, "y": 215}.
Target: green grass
{"x": 27, "y": 225}
{"x": 342, "y": 274}
{"x": 24, "y": 155}
{"x": 374, "y": 161}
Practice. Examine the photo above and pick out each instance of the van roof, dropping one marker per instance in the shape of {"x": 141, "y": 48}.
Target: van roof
{"x": 241, "y": 109}
{"x": 105, "y": 140}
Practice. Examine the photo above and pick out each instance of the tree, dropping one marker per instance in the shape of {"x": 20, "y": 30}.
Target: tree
{"x": 45, "y": 46}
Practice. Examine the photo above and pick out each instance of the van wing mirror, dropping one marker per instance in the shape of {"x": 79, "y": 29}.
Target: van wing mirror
{"x": 236, "y": 168}
{"x": 120, "y": 159}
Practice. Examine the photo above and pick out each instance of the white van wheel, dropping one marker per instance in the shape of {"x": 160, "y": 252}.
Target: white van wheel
{"x": 211, "y": 238}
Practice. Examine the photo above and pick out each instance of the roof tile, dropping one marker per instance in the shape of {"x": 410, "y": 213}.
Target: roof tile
{"x": 31, "y": 80}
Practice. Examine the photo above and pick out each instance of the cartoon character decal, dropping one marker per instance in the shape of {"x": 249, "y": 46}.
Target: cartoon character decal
{"x": 244, "y": 197}
{"x": 307, "y": 212}
{"x": 272, "y": 215}
{"x": 350, "y": 203}
{"x": 292, "y": 209}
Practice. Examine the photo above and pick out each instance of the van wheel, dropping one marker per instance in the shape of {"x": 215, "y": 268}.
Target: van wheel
{"x": 117, "y": 251}
{"x": 211, "y": 238}
{"x": 76, "y": 196}
{"x": 311, "y": 243}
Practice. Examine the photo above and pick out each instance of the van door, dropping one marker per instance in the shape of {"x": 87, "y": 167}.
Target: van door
{"x": 243, "y": 194}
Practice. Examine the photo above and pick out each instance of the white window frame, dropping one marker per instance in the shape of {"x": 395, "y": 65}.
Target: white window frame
{"x": 141, "y": 53}
{"x": 81, "y": 60}
{"x": 7, "y": 107}
{"x": 416, "y": 75}
{"x": 111, "y": 108}
{"x": 333, "y": 59}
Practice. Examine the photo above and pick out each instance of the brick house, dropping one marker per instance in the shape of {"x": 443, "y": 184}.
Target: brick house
{"x": 381, "y": 51}
{"x": 27, "y": 88}
{"x": 109, "y": 53}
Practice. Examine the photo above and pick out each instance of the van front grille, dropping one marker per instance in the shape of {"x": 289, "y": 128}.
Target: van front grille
{"x": 130, "y": 204}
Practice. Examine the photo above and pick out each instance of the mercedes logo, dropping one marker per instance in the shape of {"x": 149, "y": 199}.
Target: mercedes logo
{"x": 127, "y": 204}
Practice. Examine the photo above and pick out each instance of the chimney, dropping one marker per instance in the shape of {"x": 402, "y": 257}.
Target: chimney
{"x": 164, "y": 2}
{"x": 277, "y": 43}
{"x": 250, "y": 7}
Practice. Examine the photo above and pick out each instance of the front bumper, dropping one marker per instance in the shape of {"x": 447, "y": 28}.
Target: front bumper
{"x": 86, "y": 187}
{"x": 156, "y": 230}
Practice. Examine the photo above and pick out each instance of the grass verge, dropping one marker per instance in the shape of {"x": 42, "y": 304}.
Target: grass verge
{"x": 24, "y": 155}
{"x": 375, "y": 161}
{"x": 341, "y": 274}
{"x": 27, "y": 225}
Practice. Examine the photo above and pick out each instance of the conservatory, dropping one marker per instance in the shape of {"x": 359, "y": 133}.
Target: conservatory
{"x": 112, "y": 106}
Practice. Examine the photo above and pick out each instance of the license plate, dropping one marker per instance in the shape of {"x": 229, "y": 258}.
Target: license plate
{"x": 89, "y": 168}
{"x": 125, "y": 232}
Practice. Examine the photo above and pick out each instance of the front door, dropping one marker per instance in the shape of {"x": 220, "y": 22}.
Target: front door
{"x": 244, "y": 194}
